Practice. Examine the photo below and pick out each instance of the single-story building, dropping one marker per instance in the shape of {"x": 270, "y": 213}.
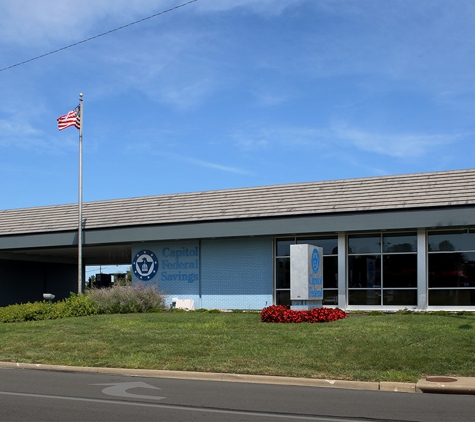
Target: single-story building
{"x": 391, "y": 242}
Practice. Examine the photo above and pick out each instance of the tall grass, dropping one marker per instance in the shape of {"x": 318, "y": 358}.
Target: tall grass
{"x": 126, "y": 299}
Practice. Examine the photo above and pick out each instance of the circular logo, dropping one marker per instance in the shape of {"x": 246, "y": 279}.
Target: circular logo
{"x": 145, "y": 265}
{"x": 315, "y": 261}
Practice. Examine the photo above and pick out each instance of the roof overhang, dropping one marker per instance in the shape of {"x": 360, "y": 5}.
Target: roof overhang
{"x": 114, "y": 245}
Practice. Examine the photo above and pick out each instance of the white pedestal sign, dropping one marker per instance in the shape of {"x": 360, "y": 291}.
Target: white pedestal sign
{"x": 306, "y": 277}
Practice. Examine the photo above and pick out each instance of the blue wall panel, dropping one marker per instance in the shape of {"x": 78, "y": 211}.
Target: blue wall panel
{"x": 233, "y": 273}
{"x": 236, "y": 273}
{"x": 178, "y": 269}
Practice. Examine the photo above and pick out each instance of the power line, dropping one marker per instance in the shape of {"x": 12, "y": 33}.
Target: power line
{"x": 100, "y": 35}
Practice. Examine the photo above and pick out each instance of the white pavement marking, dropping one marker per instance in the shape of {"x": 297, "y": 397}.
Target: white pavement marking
{"x": 120, "y": 390}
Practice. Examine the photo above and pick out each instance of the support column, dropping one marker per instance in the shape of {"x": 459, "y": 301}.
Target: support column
{"x": 422, "y": 270}
{"x": 342, "y": 254}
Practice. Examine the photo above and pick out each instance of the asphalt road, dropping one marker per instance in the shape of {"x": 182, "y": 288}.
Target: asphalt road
{"x": 41, "y": 395}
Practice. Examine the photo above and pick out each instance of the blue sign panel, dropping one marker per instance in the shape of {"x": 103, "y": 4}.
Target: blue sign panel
{"x": 145, "y": 265}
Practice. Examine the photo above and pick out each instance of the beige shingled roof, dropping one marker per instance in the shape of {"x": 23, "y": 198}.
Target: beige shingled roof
{"x": 438, "y": 189}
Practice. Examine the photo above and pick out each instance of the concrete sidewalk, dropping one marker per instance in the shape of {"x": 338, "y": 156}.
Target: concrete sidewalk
{"x": 453, "y": 385}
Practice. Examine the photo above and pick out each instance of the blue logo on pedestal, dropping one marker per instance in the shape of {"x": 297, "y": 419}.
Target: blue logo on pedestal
{"x": 315, "y": 261}
{"x": 145, "y": 265}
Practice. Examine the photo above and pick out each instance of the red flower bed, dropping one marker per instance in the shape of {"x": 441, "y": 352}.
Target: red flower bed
{"x": 283, "y": 314}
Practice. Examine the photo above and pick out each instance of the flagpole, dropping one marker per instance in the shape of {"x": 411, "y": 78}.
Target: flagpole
{"x": 81, "y": 116}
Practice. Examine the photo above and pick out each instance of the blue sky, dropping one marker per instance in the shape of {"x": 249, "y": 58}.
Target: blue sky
{"x": 231, "y": 93}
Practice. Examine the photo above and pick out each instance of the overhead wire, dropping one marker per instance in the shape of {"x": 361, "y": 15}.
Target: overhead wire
{"x": 99, "y": 35}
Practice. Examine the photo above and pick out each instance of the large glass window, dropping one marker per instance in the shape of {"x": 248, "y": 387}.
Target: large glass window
{"x": 452, "y": 268}
{"x": 330, "y": 268}
{"x": 382, "y": 269}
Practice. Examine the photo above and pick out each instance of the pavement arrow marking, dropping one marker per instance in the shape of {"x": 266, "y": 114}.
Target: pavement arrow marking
{"x": 120, "y": 390}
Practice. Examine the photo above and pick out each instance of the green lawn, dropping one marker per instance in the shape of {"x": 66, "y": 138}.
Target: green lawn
{"x": 367, "y": 348}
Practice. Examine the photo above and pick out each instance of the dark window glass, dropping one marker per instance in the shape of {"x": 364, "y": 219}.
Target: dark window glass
{"x": 399, "y": 297}
{"x": 364, "y": 271}
{"x": 282, "y": 274}
{"x": 330, "y": 272}
{"x": 452, "y": 269}
{"x": 451, "y": 241}
{"x": 456, "y": 297}
{"x": 282, "y": 297}
{"x": 364, "y": 244}
{"x": 393, "y": 243}
{"x": 400, "y": 270}
{"x": 329, "y": 245}
{"x": 330, "y": 297}
{"x": 283, "y": 246}
{"x": 364, "y": 297}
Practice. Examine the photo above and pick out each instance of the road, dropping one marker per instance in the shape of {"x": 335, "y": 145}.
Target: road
{"x": 41, "y": 395}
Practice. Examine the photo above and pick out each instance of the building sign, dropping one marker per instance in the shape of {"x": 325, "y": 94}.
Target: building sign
{"x": 315, "y": 279}
{"x": 306, "y": 276}
{"x": 179, "y": 263}
{"x": 174, "y": 266}
{"x": 145, "y": 264}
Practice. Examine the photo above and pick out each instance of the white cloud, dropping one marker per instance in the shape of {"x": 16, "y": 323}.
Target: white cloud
{"x": 266, "y": 97}
{"x": 59, "y": 22}
{"x": 263, "y": 7}
{"x": 254, "y": 136}
{"x": 19, "y": 133}
{"x": 53, "y": 21}
{"x": 215, "y": 166}
{"x": 335, "y": 140}
{"x": 394, "y": 145}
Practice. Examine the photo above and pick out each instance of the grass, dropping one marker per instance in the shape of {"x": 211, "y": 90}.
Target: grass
{"x": 367, "y": 348}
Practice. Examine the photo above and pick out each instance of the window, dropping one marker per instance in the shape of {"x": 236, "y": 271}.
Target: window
{"x": 382, "y": 269}
{"x": 330, "y": 268}
{"x": 452, "y": 268}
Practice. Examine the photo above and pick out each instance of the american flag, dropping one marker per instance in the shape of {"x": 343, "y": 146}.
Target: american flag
{"x": 73, "y": 118}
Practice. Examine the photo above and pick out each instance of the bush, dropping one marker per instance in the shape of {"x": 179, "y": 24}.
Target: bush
{"x": 26, "y": 312}
{"x": 282, "y": 314}
{"x": 75, "y": 305}
{"x": 78, "y": 305}
{"x": 126, "y": 299}
{"x": 118, "y": 299}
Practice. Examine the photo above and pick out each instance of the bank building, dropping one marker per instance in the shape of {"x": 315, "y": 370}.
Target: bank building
{"x": 388, "y": 243}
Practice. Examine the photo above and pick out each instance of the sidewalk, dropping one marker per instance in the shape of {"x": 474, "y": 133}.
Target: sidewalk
{"x": 452, "y": 385}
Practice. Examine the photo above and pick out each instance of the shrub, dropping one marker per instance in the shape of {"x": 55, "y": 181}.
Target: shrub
{"x": 118, "y": 299}
{"x": 26, "y": 312}
{"x": 78, "y": 305}
{"x": 283, "y": 314}
{"x": 126, "y": 299}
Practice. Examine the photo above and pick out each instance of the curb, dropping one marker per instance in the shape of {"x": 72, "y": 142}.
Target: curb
{"x": 446, "y": 385}
{"x": 212, "y": 376}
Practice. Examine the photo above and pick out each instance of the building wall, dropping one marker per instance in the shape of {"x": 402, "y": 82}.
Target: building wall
{"x": 177, "y": 268}
{"x": 227, "y": 274}
{"x": 237, "y": 273}
{"x": 22, "y": 282}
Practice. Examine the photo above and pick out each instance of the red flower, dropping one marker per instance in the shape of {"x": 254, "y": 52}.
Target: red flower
{"x": 280, "y": 313}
